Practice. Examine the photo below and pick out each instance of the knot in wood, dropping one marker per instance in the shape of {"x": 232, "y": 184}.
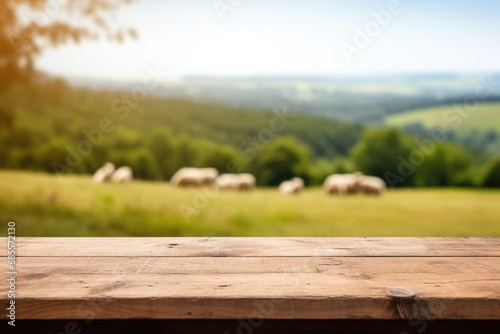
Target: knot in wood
{"x": 401, "y": 295}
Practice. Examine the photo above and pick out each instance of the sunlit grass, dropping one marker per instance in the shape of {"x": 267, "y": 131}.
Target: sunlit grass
{"x": 43, "y": 205}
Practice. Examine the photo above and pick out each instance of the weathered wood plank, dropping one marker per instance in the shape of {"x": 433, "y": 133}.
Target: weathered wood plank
{"x": 219, "y": 278}
{"x": 330, "y": 293}
{"x": 275, "y": 296}
{"x": 240, "y": 247}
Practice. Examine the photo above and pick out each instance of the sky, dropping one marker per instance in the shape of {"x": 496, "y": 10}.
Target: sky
{"x": 290, "y": 38}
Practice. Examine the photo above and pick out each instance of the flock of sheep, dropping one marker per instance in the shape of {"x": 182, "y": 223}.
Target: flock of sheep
{"x": 335, "y": 184}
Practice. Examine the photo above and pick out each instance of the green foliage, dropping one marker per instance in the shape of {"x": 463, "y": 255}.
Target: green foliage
{"x": 164, "y": 150}
{"x": 492, "y": 175}
{"x": 281, "y": 160}
{"x": 219, "y": 157}
{"x": 446, "y": 165}
{"x": 52, "y": 152}
{"x": 144, "y": 164}
{"x": 380, "y": 151}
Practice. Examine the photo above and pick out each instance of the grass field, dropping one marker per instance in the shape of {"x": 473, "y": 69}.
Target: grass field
{"x": 485, "y": 117}
{"x": 41, "y": 205}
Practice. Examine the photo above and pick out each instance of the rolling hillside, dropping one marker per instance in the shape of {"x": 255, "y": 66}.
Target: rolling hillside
{"x": 486, "y": 117}
{"x": 363, "y": 99}
{"x": 480, "y": 131}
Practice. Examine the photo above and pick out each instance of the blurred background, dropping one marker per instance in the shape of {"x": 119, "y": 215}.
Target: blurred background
{"x": 405, "y": 91}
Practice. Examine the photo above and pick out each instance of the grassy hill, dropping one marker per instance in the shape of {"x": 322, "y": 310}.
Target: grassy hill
{"x": 480, "y": 131}
{"x": 42, "y": 205}
{"x": 485, "y": 117}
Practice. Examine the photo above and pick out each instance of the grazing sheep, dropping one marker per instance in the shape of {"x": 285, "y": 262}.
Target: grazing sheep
{"x": 186, "y": 177}
{"x": 342, "y": 184}
{"x": 371, "y": 185}
{"x": 246, "y": 181}
{"x": 194, "y": 177}
{"x": 227, "y": 181}
{"x": 293, "y": 186}
{"x": 104, "y": 173}
{"x": 122, "y": 174}
{"x": 208, "y": 175}
{"x": 299, "y": 182}
{"x": 243, "y": 181}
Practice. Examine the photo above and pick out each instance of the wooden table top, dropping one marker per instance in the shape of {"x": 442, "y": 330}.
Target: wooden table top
{"x": 267, "y": 278}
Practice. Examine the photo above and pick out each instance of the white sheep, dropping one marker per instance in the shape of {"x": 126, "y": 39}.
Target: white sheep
{"x": 293, "y": 186}
{"x": 242, "y": 182}
{"x": 208, "y": 175}
{"x": 372, "y": 185}
{"x": 122, "y": 174}
{"x": 246, "y": 181}
{"x": 227, "y": 181}
{"x": 104, "y": 173}
{"x": 194, "y": 177}
{"x": 342, "y": 184}
{"x": 186, "y": 177}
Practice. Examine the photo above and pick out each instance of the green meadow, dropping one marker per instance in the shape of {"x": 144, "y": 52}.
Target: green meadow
{"x": 45, "y": 205}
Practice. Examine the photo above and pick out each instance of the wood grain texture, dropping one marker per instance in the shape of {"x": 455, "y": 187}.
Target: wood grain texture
{"x": 263, "y": 278}
{"x": 241, "y": 247}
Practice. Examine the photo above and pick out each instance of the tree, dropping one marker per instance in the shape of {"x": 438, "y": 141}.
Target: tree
{"x": 162, "y": 145}
{"x": 492, "y": 175}
{"x": 27, "y": 27}
{"x": 52, "y": 157}
{"x": 220, "y": 157}
{"x": 144, "y": 165}
{"x": 447, "y": 165}
{"x": 284, "y": 158}
{"x": 381, "y": 151}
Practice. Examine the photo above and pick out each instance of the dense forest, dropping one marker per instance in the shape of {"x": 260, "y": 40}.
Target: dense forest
{"x": 57, "y": 128}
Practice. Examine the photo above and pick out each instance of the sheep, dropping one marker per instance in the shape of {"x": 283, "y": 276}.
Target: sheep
{"x": 243, "y": 181}
{"x": 293, "y": 186}
{"x": 342, "y": 184}
{"x": 246, "y": 181}
{"x": 195, "y": 177}
{"x": 122, "y": 174}
{"x": 104, "y": 173}
{"x": 299, "y": 182}
{"x": 372, "y": 185}
{"x": 208, "y": 175}
{"x": 187, "y": 176}
{"x": 227, "y": 181}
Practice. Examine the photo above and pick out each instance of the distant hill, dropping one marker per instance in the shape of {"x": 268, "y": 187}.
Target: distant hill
{"x": 363, "y": 99}
{"x": 485, "y": 117}
{"x": 480, "y": 130}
